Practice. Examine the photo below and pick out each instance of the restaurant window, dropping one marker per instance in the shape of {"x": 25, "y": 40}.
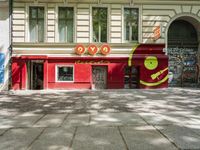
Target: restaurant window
{"x": 131, "y": 20}
{"x": 36, "y": 24}
{"x": 65, "y": 73}
{"x": 99, "y": 22}
{"x": 66, "y": 24}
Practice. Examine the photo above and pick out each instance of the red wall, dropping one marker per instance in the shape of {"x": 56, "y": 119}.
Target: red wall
{"x": 83, "y": 75}
{"x": 116, "y": 75}
{"x": 18, "y": 74}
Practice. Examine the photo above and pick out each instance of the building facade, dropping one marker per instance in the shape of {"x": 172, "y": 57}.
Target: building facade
{"x": 4, "y": 44}
{"x": 104, "y": 44}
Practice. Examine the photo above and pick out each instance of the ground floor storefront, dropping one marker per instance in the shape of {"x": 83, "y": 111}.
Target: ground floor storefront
{"x": 146, "y": 67}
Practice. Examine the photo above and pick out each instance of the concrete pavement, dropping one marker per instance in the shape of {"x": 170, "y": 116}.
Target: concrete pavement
{"x": 166, "y": 119}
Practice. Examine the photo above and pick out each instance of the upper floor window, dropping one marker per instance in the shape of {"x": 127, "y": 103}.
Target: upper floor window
{"x": 131, "y": 21}
{"x": 66, "y": 24}
{"x": 36, "y": 24}
{"x": 99, "y": 22}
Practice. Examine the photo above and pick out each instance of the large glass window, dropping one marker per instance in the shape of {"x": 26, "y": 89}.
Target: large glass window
{"x": 131, "y": 24}
{"x": 99, "y": 22}
{"x": 66, "y": 24}
{"x": 36, "y": 24}
{"x": 65, "y": 73}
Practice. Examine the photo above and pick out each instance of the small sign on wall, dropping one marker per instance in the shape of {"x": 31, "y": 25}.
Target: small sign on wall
{"x": 92, "y": 49}
{"x": 2, "y": 59}
{"x": 157, "y": 32}
{"x": 79, "y": 49}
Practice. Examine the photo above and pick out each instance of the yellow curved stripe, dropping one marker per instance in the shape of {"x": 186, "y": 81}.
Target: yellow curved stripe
{"x": 131, "y": 54}
{"x": 155, "y": 83}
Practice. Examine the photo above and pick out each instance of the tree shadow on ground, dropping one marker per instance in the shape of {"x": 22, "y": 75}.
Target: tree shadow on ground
{"x": 172, "y": 112}
{"x": 173, "y": 100}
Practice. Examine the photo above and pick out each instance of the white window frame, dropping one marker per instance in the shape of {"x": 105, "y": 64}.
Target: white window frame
{"x": 27, "y": 34}
{"x": 108, "y": 21}
{"x": 139, "y": 24}
{"x": 56, "y": 73}
{"x": 75, "y": 23}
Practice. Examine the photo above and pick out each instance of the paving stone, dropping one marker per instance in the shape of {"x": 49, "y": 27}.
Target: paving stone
{"x": 77, "y": 120}
{"x": 51, "y": 120}
{"x": 19, "y": 121}
{"x": 5, "y": 112}
{"x": 181, "y": 119}
{"x": 25, "y": 120}
{"x": 116, "y": 119}
{"x": 145, "y": 138}
{"x": 183, "y": 137}
{"x": 194, "y": 128}
{"x": 2, "y": 131}
{"x": 193, "y": 121}
{"x": 54, "y": 139}
{"x": 19, "y": 139}
{"x": 98, "y": 138}
{"x": 6, "y": 122}
{"x": 155, "y": 119}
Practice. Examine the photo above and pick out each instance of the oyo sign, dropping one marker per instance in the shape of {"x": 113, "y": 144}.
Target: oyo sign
{"x": 105, "y": 49}
{"x": 79, "y": 49}
{"x": 93, "y": 49}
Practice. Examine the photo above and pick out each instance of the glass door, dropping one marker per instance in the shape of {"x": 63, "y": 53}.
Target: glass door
{"x": 131, "y": 77}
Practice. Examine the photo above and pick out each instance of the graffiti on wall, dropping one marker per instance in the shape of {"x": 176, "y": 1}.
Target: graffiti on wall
{"x": 2, "y": 59}
{"x": 183, "y": 66}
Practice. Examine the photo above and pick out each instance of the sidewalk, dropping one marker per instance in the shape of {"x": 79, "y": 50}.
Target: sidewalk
{"x": 167, "y": 119}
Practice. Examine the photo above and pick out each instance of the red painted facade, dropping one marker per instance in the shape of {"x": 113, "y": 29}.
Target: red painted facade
{"x": 83, "y": 69}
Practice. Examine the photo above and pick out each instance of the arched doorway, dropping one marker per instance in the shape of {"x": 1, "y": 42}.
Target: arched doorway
{"x": 183, "y": 54}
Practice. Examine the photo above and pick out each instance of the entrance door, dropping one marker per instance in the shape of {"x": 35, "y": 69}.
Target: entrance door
{"x": 36, "y": 76}
{"x": 183, "y": 52}
{"x": 131, "y": 77}
{"x": 99, "y": 77}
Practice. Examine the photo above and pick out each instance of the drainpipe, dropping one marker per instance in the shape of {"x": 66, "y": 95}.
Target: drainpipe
{"x": 10, "y": 43}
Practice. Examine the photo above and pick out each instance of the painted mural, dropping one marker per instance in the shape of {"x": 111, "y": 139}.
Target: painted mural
{"x": 2, "y": 59}
{"x": 153, "y": 65}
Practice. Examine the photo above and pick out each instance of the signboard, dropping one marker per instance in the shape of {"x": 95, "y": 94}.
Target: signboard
{"x": 79, "y": 49}
{"x": 157, "y": 33}
{"x": 2, "y": 59}
{"x": 92, "y": 62}
{"x": 105, "y": 49}
{"x": 92, "y": 49}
